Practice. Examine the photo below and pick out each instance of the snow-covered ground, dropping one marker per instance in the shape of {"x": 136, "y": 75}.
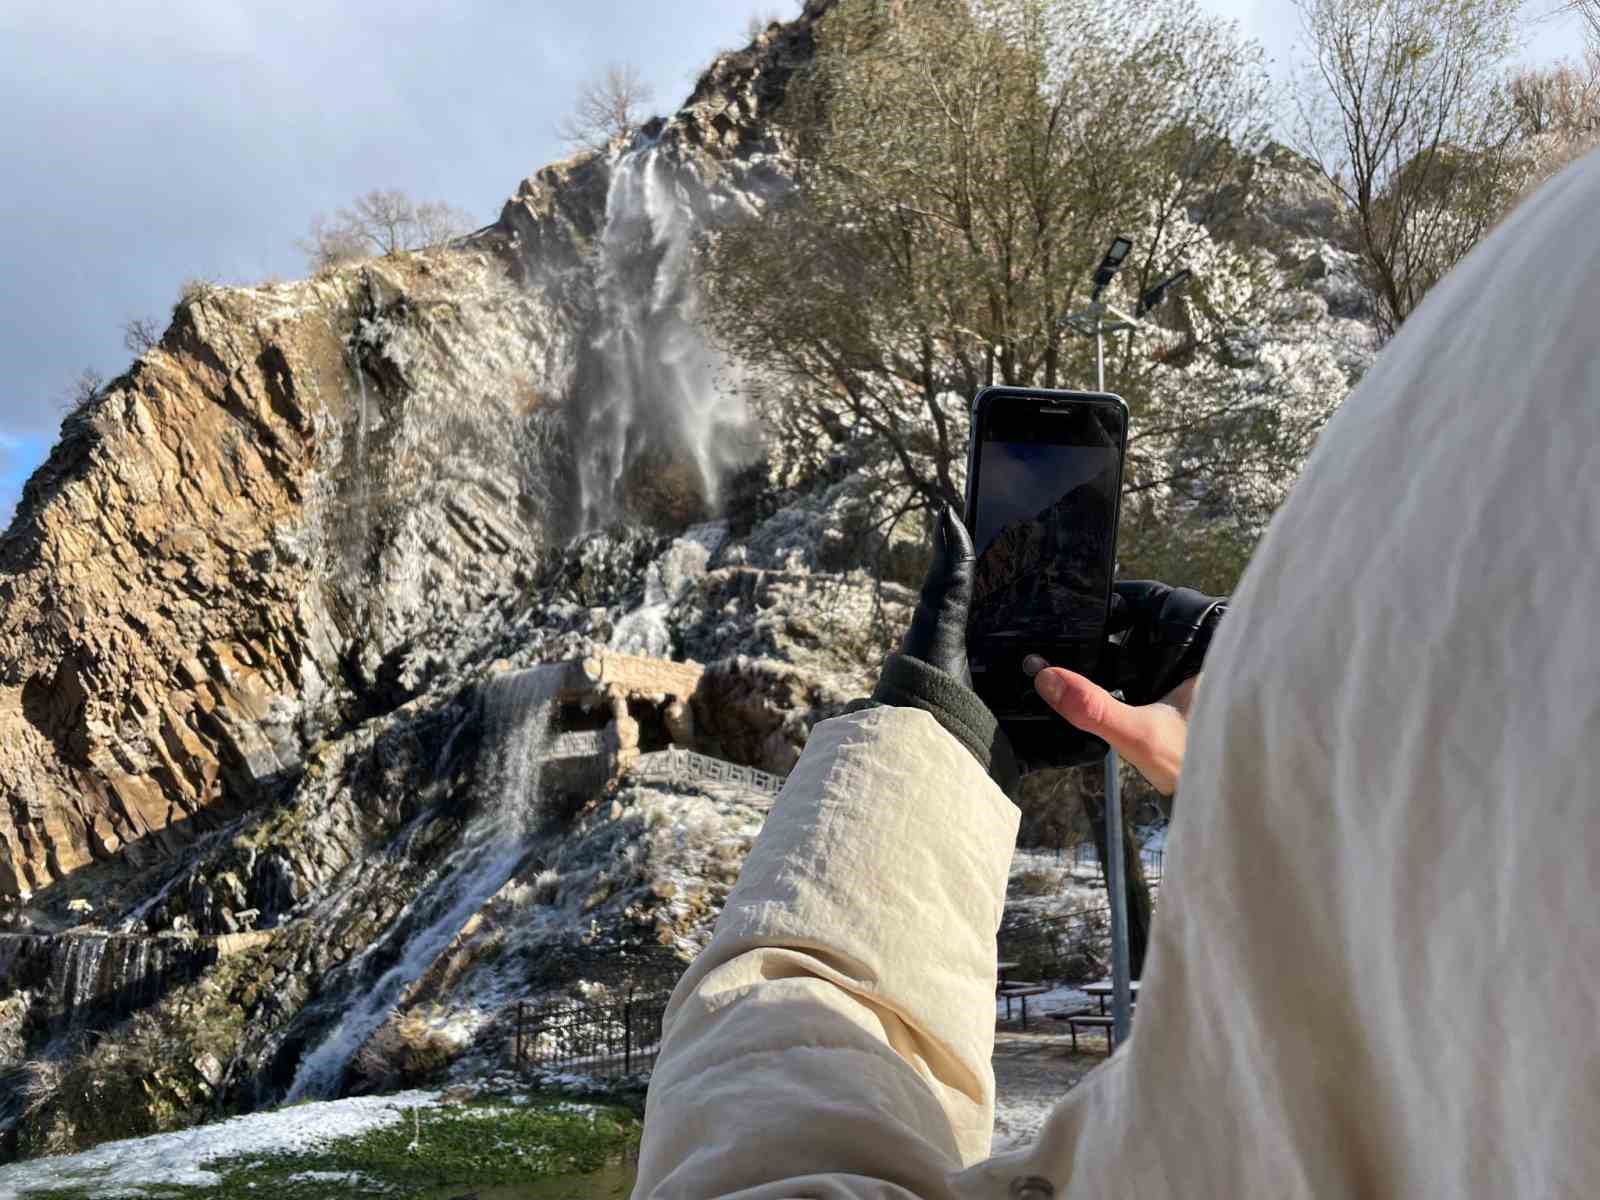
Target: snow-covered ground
{"x": 1020, "y": 1114}
{"x": 1046, "y": 884}
{"x": 128, "y": 1168}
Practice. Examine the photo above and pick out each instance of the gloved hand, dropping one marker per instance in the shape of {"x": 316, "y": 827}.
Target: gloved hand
{"x": 1159, "y": 636}
{"x": 930, "y": 671}
{"x": 938, "y": 631}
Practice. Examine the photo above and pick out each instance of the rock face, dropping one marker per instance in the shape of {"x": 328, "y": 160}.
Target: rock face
{"x": 254, "y": 535}
{"x": 233, "y": 544}
{"x": 251, "y": 604}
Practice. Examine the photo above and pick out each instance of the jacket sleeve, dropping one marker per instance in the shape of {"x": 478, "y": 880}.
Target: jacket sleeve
{"x": 835, "y": 1037}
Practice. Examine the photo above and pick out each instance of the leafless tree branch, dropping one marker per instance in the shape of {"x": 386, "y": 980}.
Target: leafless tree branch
{"x": 608, "y": 107}
{"x": 381, "y": 222}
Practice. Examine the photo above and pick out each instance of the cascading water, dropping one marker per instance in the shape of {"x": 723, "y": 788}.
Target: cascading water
{"x": 78, "y": 978}
{"x": 516, "y": 714}
{"x": 655, "y": 386}
{"x": 362, "y": 475}
{"x": 645, "y": 630}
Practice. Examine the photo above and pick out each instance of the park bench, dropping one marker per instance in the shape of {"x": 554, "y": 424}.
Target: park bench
{"x": 1088, "y": 1019}
{"x": 1020, "y": 990}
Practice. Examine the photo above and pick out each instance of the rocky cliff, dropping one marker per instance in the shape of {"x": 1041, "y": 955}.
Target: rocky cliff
{"x": 238, "y": 545}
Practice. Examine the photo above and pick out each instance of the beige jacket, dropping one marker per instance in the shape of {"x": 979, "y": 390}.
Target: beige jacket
{"x": 1376, "y": 966}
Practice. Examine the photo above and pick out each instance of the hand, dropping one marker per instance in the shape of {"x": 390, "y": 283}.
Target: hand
{"x": 1159, "y": 637}
{"x": 1150, "y": 736}
{"x": 938, "y": 632}
{"x": 931, "y": 671}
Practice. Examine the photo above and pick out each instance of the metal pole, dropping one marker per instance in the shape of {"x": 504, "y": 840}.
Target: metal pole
{"x": 1121, "y": 976}
{"x": 627, "y": 1035}
{"x": 1099, "y": 356}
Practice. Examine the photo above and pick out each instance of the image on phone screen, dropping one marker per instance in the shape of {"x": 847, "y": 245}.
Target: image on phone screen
{"x": 1041, "y": 540}
{"x": 1044, "y": 524}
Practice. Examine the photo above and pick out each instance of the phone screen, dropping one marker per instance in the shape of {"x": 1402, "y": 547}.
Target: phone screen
{"x": 1043, "y": 523}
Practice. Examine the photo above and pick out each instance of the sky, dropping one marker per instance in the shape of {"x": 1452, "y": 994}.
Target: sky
{"x": 151, "y": 141}
{"x": 1022, "y": 479}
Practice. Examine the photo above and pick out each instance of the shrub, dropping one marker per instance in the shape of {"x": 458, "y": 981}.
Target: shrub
{"x": 82, "y": 391}
{"x": 406, "y": 1051}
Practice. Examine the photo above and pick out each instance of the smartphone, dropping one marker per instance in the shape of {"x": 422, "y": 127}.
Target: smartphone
{"x": 1044, "y": 486}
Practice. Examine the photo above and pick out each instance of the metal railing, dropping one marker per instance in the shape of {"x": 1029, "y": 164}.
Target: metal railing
{"x": 1070, "y": 947}
{"x": 609, "y": 1039}
{"x": 579, "y": 744}
{"x": 676, "y": 765}
{"x": 1084, "y": 856}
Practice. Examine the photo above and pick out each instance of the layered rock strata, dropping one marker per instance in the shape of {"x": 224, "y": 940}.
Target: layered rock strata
{"x": 243, "y": 543}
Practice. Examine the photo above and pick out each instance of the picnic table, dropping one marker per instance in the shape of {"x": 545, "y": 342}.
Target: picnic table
{"x": 1083, "y": 1018}
{"x": 1008, "y": 991}
{"x": 1101, "y": 991}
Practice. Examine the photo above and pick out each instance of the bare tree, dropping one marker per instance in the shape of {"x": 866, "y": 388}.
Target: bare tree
{"x": 1558, "y": 115}
{"x": 1589, "y": 10}
{"x": 1403, "y": 107}
{"x": 332, "y": 243}
{"x": 960, "y": 171}
{"x": 1563, "y": 99}
{"x": 140, "y": 334}
{"x": 609, "y": 106}
{"x": 382, "y": 222}
{"x": 82, "y": 391}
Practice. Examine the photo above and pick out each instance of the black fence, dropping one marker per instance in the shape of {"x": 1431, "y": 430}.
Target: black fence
{"x": 1070, "y": 947}
{"x": 1085, "y": 856}
{"x": 599, "y": 1039}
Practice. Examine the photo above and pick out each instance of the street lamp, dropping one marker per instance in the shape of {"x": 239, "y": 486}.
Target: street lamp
{"x": 1156, "y": 296}
{"x": 1110, "y": 265}
{"x": 1092, "y": 322}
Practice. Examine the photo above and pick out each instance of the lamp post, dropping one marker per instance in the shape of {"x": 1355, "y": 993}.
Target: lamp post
{"x": 1092, "y": 322}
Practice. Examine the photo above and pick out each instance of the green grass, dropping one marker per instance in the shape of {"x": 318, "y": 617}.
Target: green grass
{"x": 465, "y": 1147}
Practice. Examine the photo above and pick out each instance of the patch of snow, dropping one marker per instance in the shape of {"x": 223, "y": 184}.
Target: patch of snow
{"x": 1018, "y": 1120}
{"x": 645, "y": 630}
{"x": 179, "y": 1159}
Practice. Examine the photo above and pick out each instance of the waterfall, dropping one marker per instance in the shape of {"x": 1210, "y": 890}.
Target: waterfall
{"x": 362, "y": 495}
{"x": 78, "y": 979}
{"x": 655, "y": 387}
{"x": 516, "y": 715}
{"x": 646, "y": 629}
{"x": 78, "y": 982}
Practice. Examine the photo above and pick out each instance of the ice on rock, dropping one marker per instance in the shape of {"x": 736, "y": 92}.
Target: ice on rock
{"x": 646, "y": 629}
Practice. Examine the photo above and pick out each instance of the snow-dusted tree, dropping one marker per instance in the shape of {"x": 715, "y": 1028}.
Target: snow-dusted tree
{"x": 609, "y": 106}
{"x": 962, "y": 165}
{"x": 1558, "y": 114}
{"x": 1403, "y": 104}
{"x": 381, "y": 222}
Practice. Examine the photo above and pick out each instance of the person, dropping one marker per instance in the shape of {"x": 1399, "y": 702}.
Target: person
{"x": 1374, "y": 971}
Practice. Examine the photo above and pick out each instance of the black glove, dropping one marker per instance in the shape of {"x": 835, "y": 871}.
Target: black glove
{"x": 930, "y": 672}
{"x": 1159, "y": 637}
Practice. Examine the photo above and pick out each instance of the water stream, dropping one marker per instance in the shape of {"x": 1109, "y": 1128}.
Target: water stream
{"x": 656, "y": 387}
{"x": 76, "y": 977}
{"x": 516, "y": 715}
